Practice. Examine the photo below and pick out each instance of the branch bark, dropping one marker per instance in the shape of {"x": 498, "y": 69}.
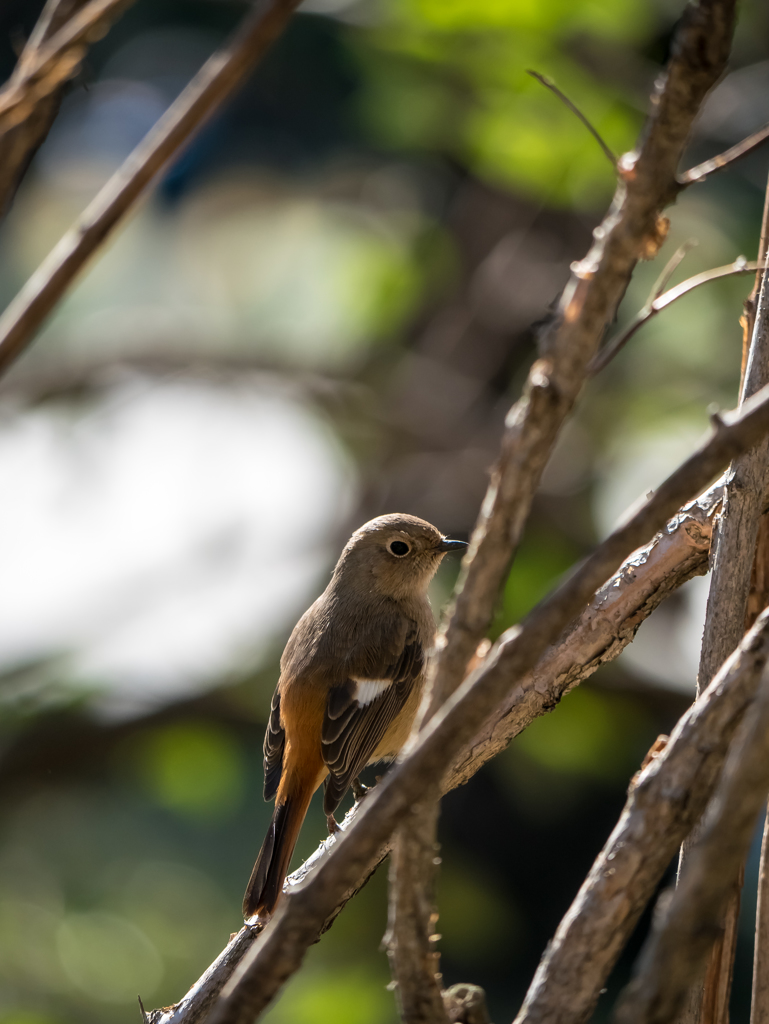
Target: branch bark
{"x": 18, "y": 144}
{"x": 683, "y": 933}
{"x": 664, "y": 802}
{"x": 219, "y": 77}
{"x": 303, "y": 912}
{"x": 632, "y": 230}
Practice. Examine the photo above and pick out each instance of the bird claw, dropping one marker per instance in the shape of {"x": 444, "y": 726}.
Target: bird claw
{"x": 333, "y": 825}
{"x": 359, "y": 790}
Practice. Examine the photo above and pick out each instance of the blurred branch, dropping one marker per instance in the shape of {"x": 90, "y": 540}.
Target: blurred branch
{"x": 601, "y": 632}
{"x": 20, "y": 142}
{"x": 410, "y": 941}
{"x": 664, "y": 802}
{"x": 44, "y": 67}
{"x": 304, "y": 912}
{"x": 683, "y": 933}
{"x": 549, "y": 84}
{"x": 659, "y": 302}
{"x": 216, "y": 80}
{"x": 725, "y": 159}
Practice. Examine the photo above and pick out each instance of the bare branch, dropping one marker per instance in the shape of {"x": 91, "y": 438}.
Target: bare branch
{"x": 216, "y": 80}
{"x": 550, "y": 84}
{"x": 725, "y": 159}
{"x": 663, "y": 804}
{"x": 633, "y": 229}
{"x": 42, "y": 69}
{"x": 303, "y": 912}
{"x": 681, "y": 937}
{"x": 660, "y": 302}
{"x": 19, "y": 144}
{"x": 410, "y": 940}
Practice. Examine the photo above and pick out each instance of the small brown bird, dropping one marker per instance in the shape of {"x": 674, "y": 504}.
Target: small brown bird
{"x": 350, "y": 684}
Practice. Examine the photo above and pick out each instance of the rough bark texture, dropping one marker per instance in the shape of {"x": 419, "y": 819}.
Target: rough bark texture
{"x": 666, "y": 800}
{"x": 683, "y": 933}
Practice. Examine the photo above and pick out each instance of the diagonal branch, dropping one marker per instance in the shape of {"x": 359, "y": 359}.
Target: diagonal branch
{"x": 18, "y": 144}
{"x": 283, "y": 944}
{"x": 216, "y": 80}
{"x": 42, "y": 69}
{"x": 725, "y": 159}
{"x": 659, "y": 302}
{"x": 633, "y": 229}
{"x": 663, "y": 804}
{"x": 682, "y": 935}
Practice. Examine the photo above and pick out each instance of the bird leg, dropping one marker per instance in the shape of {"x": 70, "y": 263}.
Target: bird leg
{"x": 333, "y": 825}
{"x": 358, "y": 789}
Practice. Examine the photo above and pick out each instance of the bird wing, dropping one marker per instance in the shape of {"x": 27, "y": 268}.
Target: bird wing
{"x": 274, "y": 742}
{"x": 359, "y": 713}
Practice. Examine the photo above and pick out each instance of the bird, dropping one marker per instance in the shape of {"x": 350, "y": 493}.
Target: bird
{"x": 351, "y": 679}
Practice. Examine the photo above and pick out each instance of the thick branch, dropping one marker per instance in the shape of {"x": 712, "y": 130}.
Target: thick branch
{"x": 678, "y": 946}
{"x": 633, "y": 229}
{"x": 410, "y": 942}
{"x": 664, "y": 803}
{"x": 302, "y": 913}
{"x": 217, "y": 79}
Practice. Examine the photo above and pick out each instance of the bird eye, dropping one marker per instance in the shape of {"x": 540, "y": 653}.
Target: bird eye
{"x": 398, "y": 548}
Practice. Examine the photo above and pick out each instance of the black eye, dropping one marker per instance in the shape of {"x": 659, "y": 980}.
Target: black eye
{"x": 399, "y": 548}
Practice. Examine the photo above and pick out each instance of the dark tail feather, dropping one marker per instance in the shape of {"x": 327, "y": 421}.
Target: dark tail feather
{"x": 266, "y": 883}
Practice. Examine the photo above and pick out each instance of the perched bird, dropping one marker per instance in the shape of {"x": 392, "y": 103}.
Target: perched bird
{"x": 350, "y": 684}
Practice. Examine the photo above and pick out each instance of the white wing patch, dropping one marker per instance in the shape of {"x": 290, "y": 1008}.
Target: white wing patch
{"x": 367, "y": 690}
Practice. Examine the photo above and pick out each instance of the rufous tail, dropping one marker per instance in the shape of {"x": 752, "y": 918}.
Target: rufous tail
{"x": 266, "y": 883}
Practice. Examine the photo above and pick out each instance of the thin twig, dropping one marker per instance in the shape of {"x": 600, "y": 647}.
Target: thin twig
{"x": 664, "y": 801}
{"x": 302, "y": 914}
{"x": 725, "y": 159}
{"x": 660, "y": 302}
{"x": 670, "y": 268}
{"x": 550, "y": 84}
{"x": 217, "y": 79}
{"x": 681, "y": 936}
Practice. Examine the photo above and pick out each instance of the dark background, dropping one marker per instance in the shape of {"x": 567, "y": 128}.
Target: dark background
{"x": 321, "y": 314}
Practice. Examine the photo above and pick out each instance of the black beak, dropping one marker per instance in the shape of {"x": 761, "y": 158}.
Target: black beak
{"x": 452, "y": 545}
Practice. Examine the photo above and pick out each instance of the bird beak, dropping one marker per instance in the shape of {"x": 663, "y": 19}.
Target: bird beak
{"x": 452, "y": 545}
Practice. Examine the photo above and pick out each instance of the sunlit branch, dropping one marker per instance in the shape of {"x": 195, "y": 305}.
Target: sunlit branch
{"x": 725, "y": 159}
{"x": 610, "y": 350}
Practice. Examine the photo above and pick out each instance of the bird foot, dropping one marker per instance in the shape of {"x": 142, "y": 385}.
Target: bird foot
{"x": 333, "y": 825}
{"x": 359, "y": 790}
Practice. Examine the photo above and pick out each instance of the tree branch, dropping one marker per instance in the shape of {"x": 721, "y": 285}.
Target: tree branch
{"x": 18, "y": 144}
{"x": 659, "y": 302}
{"x": 410, "y": 942}
{"x": 303, "y": 913}
{"x": 682, "y": 935}
{"x": 633, "y": 229}
{"x": 216, "y": 80}
{"x": 664, "y": 802}
{"x": 725, "y": 159}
